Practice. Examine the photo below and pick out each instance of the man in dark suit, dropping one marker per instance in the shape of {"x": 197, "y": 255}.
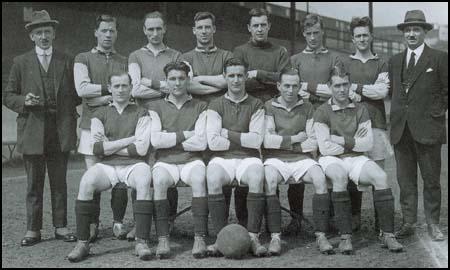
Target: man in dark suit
{"x": 419, "y": 91}
{"x": 41, "y": 90}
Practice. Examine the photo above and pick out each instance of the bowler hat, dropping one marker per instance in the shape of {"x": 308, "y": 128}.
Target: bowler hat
{"x": 415, "y": 17}
{"x": 39, "y": 18}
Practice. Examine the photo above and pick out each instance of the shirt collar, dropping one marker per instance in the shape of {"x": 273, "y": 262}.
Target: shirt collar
{"x": 147, "y": 48}
{"x": 335, "y": 107}
{"x": 112, "y": 104}
{"x": 278, "y": 104}
{"x": 364, "y": 60}
{"x": 206, "y": 50}
{"x": 262, "y": 45}
{"x": 99, "y": 50}
{"x": 42, "y": 52}
{"x": 418, "y": 51}
{"x": 239, "y": 101}
{"x": 309, "y": 51}
{"x": 168, "y": 100}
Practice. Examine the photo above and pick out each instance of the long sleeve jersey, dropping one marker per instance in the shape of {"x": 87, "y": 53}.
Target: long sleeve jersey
{"x": 330, "y": 121}
{"x": 133, "y": 121}
{"x": 281, "y": 124}
{"x": 171, "y": 127}
{"x": 91, "y": 71}
{"x": 373, "y": 85}
{"x": 235, "y": 129}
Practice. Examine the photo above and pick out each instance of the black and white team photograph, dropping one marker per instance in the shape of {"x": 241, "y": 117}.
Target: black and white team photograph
{"x": 225, "y": 134}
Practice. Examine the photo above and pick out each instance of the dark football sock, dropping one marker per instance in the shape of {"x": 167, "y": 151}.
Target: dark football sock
{"x": 216, "y": 205}
{"x": 119, "y": 201}
{"x": 273, "y": 211}
{"x": 84, "y": 211}
{"x": 384, "y": 205}
{"x": 321, "y": 212}
{"x": 162, "y": 217}
{"x": 240, "y": 204}
{"x": 342, "y": 209}
{"x": 200, "y": 214}
{"x": 255, "y": 203}
{"x": 143, "y": 212}
{"x": 295, "y": 198}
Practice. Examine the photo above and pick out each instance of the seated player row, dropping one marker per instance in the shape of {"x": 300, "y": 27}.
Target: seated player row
{"x": 233, "y": 126}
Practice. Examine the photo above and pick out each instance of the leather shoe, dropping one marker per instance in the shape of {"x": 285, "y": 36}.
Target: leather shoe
{"x": 435, "y": 233}
{"x": 30, "y": 241}
{"x": 405, "y": 231}
{"x": 69, "y": 237}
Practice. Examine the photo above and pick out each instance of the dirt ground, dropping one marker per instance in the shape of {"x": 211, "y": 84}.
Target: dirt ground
{"x": 298, "y": 251}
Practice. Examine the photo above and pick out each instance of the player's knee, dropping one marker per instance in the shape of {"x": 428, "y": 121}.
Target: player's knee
{"x": 338, "y": 177}
{"x": 161, "y": 184}
{"x": 214, "y": 179}
{"x": 87, "y": 186}
{"x": 271, "y": 180}
{"x": 255, "y": 179}
{"x": 319, "y": 179}
{"x": 379, "y": 179}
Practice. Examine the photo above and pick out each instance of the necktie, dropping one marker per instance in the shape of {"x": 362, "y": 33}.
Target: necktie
{"x": 409, "y": 69}
{"x": 412, "y": 62}
{"x": 45, "y": 62}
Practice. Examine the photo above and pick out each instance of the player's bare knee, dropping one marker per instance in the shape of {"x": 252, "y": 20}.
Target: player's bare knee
{"x": 214, "y": 179}
{"x": 255, "y": 180}
{"x": 87, "y": 186}
{"x": 271, "y": 180}
{"x": 317, "y": 176}
{"x": 379, "y": 179}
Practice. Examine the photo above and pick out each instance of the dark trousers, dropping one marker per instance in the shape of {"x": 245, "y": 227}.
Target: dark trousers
{"x": 35, "y": 165}
{"x": 409, "y": 153}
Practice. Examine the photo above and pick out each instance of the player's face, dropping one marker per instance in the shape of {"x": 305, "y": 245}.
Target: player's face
{"x": 289, "y": 87}
{"x": 235, "y": 77}
{"x": 362, "y": 38}
{"x": 259, "y": 28}
{"x": 120, "y": 88}
{"x": 106, "y": 35}
{"x": 177, "y": 82}
{"x": 154, "y": 29}
{"x": 313, "y": 36}
{"x": 204, "y": 31}
{"x": 43, "y": 36}
{"x": 414, "y": 36}
{"x": 340, "y": 88}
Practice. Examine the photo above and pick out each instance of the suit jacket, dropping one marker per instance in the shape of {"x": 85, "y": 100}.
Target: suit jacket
{"x": 25, "y": 77}
{"x": 423, "y": 107}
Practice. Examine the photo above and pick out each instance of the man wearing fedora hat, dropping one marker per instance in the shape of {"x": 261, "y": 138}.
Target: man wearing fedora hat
{"x": 419, "y": 91}
{"x": 41, "y": 90}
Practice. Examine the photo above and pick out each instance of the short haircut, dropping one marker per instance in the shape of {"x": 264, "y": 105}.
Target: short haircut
{"x": 203, "y": 15}
{"x": 340, "y": 71}
{"x": 258, "y": 12}
{"x": 154, "y": 15}
{"x": 105, "y": 18}
{"x": 288, "y": 71}
{"x": 118, "y": 74}
{"x": 178, "y": 65}
{"x": 361, "y": 22}
{"x": 234, "y": 62}
{"x": 310, "y": 20}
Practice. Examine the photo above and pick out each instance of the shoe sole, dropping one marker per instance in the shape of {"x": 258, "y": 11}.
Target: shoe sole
{"x": 75, "y": 260}
{"x": 273, "y": 253}
{"x": 347, "y": 252}
{"x": 199, "y": 255}
{"x": 328, "y": 252}
{"x": 162, "y": 256}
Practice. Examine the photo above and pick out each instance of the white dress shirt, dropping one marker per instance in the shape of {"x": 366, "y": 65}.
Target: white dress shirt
{"x": 418, "y": 52}
{"x": 40, "y": 53}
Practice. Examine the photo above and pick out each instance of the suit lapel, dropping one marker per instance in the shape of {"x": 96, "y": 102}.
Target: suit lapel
{"x": 58, "y": 64}
{"x": 421, "y": 65}
{"x": 35, "y": 71}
